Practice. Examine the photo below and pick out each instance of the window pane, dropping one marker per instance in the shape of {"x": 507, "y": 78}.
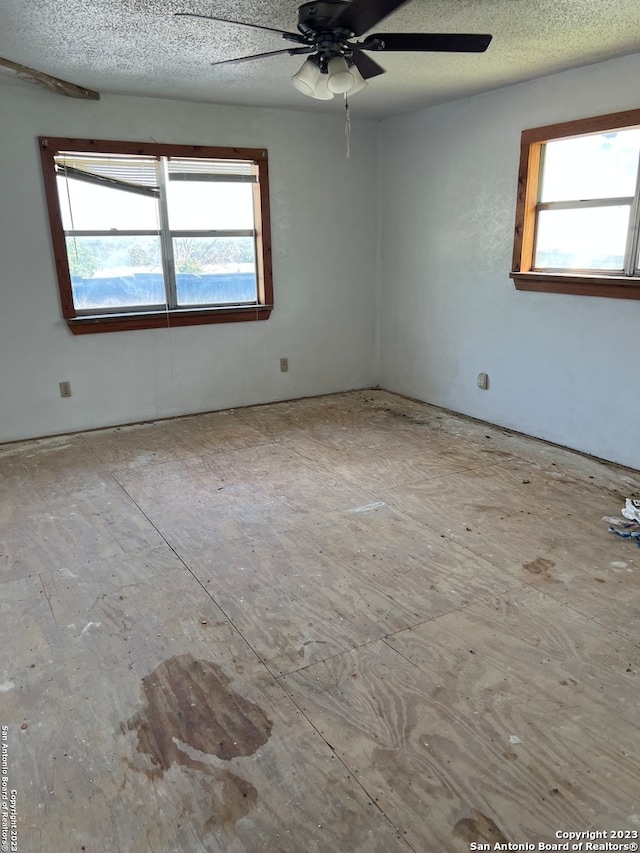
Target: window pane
{"x": 115, "y": 272}
{"x": 209, "y": 205}
{"x": 89, "y": 207}
{"x": 604, "y": 165}
{"x": 589, "y": 239}
{"x": 215, "y": 270}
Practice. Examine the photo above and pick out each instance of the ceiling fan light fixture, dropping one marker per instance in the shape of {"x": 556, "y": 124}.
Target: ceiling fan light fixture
{"x": 326, "y": 29}
{"x": 340, "y": 77}
{"x": 322, "y": 91}
{"x": 359, "y": 81}
{"x": 306, "y": 78}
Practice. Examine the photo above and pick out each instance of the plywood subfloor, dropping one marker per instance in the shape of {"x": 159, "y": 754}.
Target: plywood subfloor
{"x": 353, "y": 624}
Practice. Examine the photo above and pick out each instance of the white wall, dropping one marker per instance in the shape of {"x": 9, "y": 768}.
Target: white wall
{"x": 323, "y": 217}
{"x": 563, "y": 368}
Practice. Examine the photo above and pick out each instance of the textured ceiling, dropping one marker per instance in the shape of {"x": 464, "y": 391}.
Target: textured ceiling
{"x": 137, "y": 47}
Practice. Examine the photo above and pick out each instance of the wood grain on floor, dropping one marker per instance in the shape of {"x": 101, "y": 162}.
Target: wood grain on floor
{"x": 350, "y": 624}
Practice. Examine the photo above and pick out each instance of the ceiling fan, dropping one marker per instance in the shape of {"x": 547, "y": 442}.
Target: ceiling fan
{"x": 55, "y": 84}
{"x": 336, "y": 64}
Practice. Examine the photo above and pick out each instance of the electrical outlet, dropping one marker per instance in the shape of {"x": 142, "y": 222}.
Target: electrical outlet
{"x": 483, "y": 381}
{"x": 65, "y": 389}
{"x": 284, "y": 365}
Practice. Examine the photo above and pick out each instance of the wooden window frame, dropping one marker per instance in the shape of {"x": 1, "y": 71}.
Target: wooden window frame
{"x": 154, "y": 319}
{"x": 522, "y": 272}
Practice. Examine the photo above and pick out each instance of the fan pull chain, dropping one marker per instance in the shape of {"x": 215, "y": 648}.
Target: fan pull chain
{"x": 347, "y": 125}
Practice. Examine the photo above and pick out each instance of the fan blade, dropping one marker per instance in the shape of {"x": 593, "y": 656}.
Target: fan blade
{"x": 291, "y": 51}
{"x": 287, "y": 35}
{"x": 452, "y": 42}
{"x": 365, "y": 65}
{"x": 53, "y": 83}
{"x": 360, "y": 15}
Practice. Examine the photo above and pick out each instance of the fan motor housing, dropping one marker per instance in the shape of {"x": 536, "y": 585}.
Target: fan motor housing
{"x": 315, "y": 17}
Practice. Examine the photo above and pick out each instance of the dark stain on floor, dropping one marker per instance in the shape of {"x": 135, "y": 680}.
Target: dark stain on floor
{"x": 191, "y": 706}
{"x": 403, "y": 416}
{"x": 541, "y": 567}
{"x": 479, "y": 826}
{"x": 190, "y": 702}
{"x": 231, "y": 799}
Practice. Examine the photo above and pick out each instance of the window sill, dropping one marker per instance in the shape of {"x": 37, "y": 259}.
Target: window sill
{"x": 96, "y": 323}
{"x": 612, "y": 286}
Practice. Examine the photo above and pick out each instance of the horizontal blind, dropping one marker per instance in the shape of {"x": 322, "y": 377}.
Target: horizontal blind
{"x": 136, "y": 171}
{"x": 202, "y": 169}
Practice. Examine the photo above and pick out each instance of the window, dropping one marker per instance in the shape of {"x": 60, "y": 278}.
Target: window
{"x": 149, "y": 235}
{"x": 578, "y": 212}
